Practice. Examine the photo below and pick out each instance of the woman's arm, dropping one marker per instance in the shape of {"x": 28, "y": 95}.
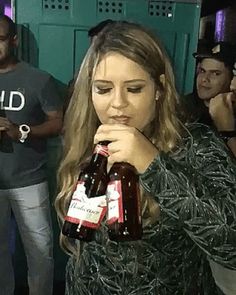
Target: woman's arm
{"x": 196, "y": 189}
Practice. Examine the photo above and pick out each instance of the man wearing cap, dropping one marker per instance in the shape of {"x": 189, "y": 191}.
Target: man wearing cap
{"x": 212, "y": 103}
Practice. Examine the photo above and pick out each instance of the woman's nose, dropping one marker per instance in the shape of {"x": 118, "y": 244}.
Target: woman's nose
{"x": 119, "y": 99}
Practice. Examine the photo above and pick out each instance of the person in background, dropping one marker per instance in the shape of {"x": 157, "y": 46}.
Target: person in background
{"x": 212, "y": 102}
{"x": 31, "y": 112}
{"x": 125, "y": 93}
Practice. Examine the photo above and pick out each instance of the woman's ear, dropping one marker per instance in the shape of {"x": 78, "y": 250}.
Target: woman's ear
{"x": 163, "y": 79}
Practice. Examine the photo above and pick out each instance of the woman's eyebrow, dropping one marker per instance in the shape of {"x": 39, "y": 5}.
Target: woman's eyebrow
{"x": 127, "y": 81}
{"x": 135, "y": 80}
{"x": 101, "y": 81}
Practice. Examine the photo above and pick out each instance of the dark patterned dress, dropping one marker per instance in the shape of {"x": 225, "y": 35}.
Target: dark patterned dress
{"x": 196, "y": 191}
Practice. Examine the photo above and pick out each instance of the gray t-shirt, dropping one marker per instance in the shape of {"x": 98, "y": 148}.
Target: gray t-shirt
{"x": 26, "y": 94}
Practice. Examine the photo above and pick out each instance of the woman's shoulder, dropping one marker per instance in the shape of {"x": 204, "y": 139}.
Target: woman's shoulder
{"x": 201, "y": 135}
{"x": 197, "y": 130}
{"x": 200, "y": 142}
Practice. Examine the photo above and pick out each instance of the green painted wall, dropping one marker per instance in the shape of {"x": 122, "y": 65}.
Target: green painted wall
{"x": 54, "y": 32}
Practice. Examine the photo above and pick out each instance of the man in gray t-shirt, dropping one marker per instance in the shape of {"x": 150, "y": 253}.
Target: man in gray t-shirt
{"x": 30, "y": 112}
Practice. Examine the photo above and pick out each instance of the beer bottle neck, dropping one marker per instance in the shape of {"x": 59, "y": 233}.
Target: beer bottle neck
{"x": 99, "y": 157}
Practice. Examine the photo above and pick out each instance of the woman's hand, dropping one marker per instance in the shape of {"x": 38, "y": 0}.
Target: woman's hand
{"x": 127, "y": 145}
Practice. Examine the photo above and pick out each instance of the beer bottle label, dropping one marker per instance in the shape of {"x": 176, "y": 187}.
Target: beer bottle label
{"x": 86, "y": 211}
{"x": 115, "y": 203}
{"x": 101, "y": 149}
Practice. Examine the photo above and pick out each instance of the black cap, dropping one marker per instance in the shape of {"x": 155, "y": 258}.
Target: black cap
{"x": 222, "y": 51}
{"x": 98, "y": 28}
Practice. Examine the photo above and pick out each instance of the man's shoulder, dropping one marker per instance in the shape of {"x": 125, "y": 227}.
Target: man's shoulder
{"x": 34, "y": 71}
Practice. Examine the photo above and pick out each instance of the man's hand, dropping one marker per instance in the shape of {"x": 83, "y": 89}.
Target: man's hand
{"x": 221, "y": 109}
{"x": 11, "y": 129}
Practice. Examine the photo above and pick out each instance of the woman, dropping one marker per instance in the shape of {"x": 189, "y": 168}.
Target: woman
{"x": 125, "y": 94}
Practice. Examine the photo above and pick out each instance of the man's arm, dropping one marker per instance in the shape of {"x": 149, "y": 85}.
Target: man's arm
{"x": 50, "y": 127}
{"x": 222, "y": 109}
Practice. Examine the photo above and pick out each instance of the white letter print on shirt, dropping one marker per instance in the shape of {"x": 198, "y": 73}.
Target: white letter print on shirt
{"x": 10, "y": 107}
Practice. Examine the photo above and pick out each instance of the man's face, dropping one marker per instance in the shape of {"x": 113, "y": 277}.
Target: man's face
{"x": 213, "y": 78}
{"x": 6, "y": 43}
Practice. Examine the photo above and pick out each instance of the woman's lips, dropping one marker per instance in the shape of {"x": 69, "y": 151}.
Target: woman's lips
{"x": 120, "y": 119}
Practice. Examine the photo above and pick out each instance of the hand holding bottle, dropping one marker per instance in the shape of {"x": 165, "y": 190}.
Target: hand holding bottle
{"x": 127, "y": 145}
{"x": 11, "y": 129}
{"x": 2, "y": 128}
{"x": 88, "y": 204}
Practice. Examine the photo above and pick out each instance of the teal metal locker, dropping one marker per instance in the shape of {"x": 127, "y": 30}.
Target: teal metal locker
{"x": 54, "y": 32}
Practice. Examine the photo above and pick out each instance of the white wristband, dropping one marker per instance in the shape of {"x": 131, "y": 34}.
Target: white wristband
{"x": 24, "y": 131}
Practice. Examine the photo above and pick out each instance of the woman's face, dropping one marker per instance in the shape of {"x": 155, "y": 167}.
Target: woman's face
{"x": 123, "y": 93}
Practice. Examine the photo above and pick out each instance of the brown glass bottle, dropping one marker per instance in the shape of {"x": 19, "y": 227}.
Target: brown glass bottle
{"x": 124, "y": 211}
{"x": 88, "y": 204}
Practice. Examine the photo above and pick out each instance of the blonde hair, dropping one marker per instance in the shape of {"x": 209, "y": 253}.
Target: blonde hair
{"x": 81, "y": 122}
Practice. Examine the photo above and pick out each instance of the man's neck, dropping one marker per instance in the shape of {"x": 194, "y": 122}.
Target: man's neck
{"x": 8, "y": 65}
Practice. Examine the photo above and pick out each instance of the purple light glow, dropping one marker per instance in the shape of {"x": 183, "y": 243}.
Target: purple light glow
{"x": 220, "y": 25}
{"x": 7, "y": 10}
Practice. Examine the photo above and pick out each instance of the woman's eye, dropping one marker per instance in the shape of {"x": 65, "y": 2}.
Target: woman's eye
{"x": 134, "y": 89}
{"x": 101, "y": 90}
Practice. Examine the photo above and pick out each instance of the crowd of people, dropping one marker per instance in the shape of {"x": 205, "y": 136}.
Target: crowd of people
{"x": 183, "y": 149}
